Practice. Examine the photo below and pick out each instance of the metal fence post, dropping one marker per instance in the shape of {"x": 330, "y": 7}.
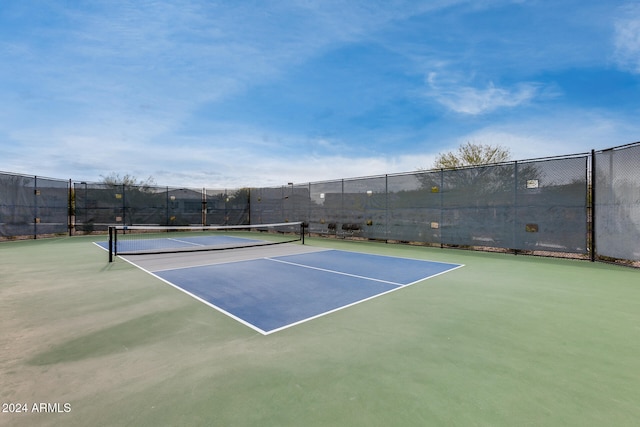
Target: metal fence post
{"x": 591, "y": 193}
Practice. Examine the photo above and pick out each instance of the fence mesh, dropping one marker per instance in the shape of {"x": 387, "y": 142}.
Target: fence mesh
{"x": 325, "y": 207}
{"x": 528, "y": 206}
{"x": 478, "y": 206}
{"x": 617, "y": 203}
{"x": 551, "y": 208}
{"x": 32, "y": 206}
{"x": 98, "y": 205}
{"x": 541, "y": 205}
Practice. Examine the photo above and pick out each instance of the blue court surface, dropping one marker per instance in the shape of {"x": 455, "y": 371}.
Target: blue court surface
{"x": 269, "y": 294}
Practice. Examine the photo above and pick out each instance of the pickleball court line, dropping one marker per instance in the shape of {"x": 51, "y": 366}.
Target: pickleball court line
{"x": 457, "y": 266}
{"x": 202, "y": 300}
{"x": 333, "y": 310}
{"x": 251, "y": 325}
{"x": 184, "y": 241}
{"x": 301, "y": 321}
{"x": 243, "y": 239}
{"x": 334, "y": 271}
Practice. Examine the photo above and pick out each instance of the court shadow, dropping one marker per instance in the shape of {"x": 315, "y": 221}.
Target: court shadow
{"x": 118, "y": 338}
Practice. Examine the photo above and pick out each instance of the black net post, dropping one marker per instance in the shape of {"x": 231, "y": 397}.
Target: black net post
{"x": 303, "y": 226}
{"x": 112, "y": 234}
{"x": 110, "y": 244}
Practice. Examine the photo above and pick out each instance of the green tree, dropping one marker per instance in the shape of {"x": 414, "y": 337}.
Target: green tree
{"x": 471, "y": 154}
{"x": 142, "y": 202}
{"x": 474, "y": 168}
{"x": 128, "y": 180}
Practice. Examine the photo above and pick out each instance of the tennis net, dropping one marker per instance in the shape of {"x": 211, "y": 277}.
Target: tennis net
{"x": 139, "y": 240}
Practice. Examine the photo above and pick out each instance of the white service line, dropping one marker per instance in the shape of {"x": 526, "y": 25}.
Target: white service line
{"x": 184, "y": 241}
{"x": 334, "y": 272}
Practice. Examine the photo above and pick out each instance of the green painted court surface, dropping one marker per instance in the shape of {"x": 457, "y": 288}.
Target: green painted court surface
{"x": 505, "y": 341}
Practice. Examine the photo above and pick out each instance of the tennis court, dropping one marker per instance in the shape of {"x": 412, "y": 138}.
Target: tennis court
{"x": 504, "y": 340}
{"x": 270, "y": 289}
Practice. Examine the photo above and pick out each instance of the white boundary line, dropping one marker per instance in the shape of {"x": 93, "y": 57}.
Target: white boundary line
{"x": 333, "y": 271}
{"x": 221, "y": 310}
{"x": 365, "y": 299}
{"x": 457, "y": 266}
{"x": 234, "y": 317}
{"x": 183, "y": 241}
{"x": 233, "y": 261}
{"x": 333, "y": 310}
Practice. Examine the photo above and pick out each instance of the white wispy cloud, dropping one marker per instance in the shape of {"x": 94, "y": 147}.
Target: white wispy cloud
{"x": 627, "y": 38}
{"x": 134, "y": 87}
{"x": 465, "y": 99}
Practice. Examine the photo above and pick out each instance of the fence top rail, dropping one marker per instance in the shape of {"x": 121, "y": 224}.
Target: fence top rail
{"x": 93, "y": 184}
{"x": 619, "y": 147}
{"x": 24, "y": 175}
{"x": 418, "y": 171}
{"x": 422, "y": 171}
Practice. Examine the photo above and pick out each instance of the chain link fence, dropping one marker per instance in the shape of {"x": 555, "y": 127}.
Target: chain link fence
{"x": 584, "y": 205}
{"x": 617, "y": 203}
{"x": 98, "y": 205}
{"x": 522, "y": 206}
{"x": 32, "y": 206}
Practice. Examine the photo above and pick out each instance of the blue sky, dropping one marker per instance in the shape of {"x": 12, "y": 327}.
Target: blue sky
{"x": 226, "y": 94}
